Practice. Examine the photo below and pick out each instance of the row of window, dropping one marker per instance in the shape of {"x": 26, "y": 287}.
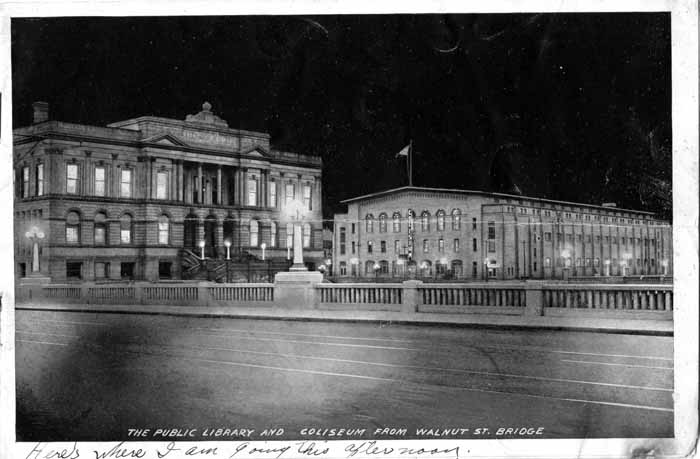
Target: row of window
{"x": 456, "y": 218}
{"x": 624, "y": 240}
{"x": 126, "y": 176}
{"x": 575, "y": 216}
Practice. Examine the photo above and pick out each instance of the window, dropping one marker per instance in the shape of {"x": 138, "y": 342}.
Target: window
{"x": 579, "y": 238}
{"x": 441, "y": 245}
{"x": 125, "y": 229}
{"x": 290, "y": 236}
{"x": 100, "y": 229}
{"x": 343, "y": 268}
{"x": 74, "y": 270}
{"x": 101, "y": 270}
{"x": 475, "y": 269}
{"x": 352, "y": 227}
{"x": 569, "y": 237}
{"x": 162, "y": 185}
{"x": 596, "y": 262}
{"x": 547, "y": 262}
{"x": 163, "y": 229}
{"x": 99, "y": 181}
{"x": 588, "y": 262}
{"x": 455, "y": 245}
{"x": 126, "y": 183}
{"x": 491, "y": 236}
{"x": 306, "y": 196}
{"x": 72, "y": 178}
{"x": 441, "y": 220}
{"x": 548, "y": 237}
{"x": 252, "y": 193}
{"x": 73, "y": 228}
{"x": 382, "y": 246}
{"x": 127, "y": 270}
{"x": 164, "y": 270}
{"x": 288, "y": 193}
{"x": 253, "y": 233}
{"x": 195, "y": 189}
{"x": 24, "y": 191}
{"x": 456, "y": 219}
{"x": 425, "y": 221}
{"x": 369, "y": 223}
{"x": 369, "y": 246}
{"x": 273, "y": 193}
{"x": 39, "y": 179}
{"x": 473, "y": 224}
{"x": 306, "y": 235}
{"x": 396, "y": 222}
{"x": 342, "y": 241}
{"x": 353, "y": 247}
{"x": 273, "y": 234}
{"x": 214, "y": 190}
{"x": 382, "y": 223}
{"x": 597, "y": 239}
{"x": 607, "y": 239}
{"x": 426, "y": 246}
{"x": 397, "y": 246}
{"x": 474, "y": 247}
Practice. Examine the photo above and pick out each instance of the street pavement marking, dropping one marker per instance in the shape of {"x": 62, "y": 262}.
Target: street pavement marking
{"x": 618, "y": 364}
{"x": 240, "y": 330}
{"x": 41, "y": 342}
{"x": 418, "y": 367}
{"x": 471, "y": 389}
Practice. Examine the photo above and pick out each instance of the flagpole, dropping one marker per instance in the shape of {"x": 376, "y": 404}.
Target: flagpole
{"x": 410, "y": 163}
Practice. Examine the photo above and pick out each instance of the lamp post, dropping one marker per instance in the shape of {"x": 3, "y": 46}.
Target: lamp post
{"x": 263, "y": 246}
{"x": 201, "y": 246}
{"x": 227, "y": 243}
{"x": 329, "y": 264}
{"x": 566, "y": 255}
{"x": 35, "y": 235}
{"x": 295, "y": 211}
{"x": 376, "y": 270}
{"x": 664, "y": 265}
{"x": 607, "y": 268}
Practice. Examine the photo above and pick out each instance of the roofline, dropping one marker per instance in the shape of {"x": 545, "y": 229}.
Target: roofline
{"x": 489, "y": 193}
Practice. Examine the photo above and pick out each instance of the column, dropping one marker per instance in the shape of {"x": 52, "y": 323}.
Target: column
{"x": 180, "y": 181}
{"x": 243, "y": 173}
{"x": 200, "y": 184}
{"x": 218, "y": 184}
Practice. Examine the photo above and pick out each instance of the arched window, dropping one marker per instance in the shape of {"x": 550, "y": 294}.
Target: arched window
{"x": 457, "y": 269}
{"x": 441, "y": 220}
{"x": 425, "y": 268}
{"x": 254, "y": 233}
{"x": 73, "y": 228}
{"x": 383, "y": 267}
{"x": 396, "y": 222}
{"x": 100, "y": 228}
{"x": 290, "y": 235}
{"x": 273, "y": 234}
{"x": 382, "y": 223}
{"x": 125, "y": 229}
{"x": 369, "y": 223}
{"x": 163, "y": 230}
{"x": 425, "y": 221}
{"x": 306, "y": 235}
{"x": 456, "y": 219}
{"x": 369, "y": 268}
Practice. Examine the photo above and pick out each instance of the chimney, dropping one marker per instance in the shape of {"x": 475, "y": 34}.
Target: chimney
{"x": 41, "y": 112}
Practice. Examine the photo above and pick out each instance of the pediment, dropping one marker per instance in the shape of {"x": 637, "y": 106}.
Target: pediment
{"x": 259, "y": 152}
{"x": 166, "y": 139}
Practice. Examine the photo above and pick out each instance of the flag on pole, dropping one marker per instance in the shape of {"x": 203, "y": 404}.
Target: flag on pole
{"x": 404, "y": 152}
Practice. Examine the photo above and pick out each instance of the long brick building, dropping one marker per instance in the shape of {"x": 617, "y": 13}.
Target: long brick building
{"x": 428, "y": 232}
{"x": 123, "y": 201}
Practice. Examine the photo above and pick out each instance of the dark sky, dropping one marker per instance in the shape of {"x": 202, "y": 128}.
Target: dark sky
{"x": 564, "y": 106}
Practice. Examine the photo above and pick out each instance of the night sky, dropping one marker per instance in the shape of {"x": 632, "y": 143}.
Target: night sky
{"x": 574, "y": 107}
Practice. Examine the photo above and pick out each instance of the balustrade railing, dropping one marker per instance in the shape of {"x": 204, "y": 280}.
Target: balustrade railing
{"x": 632, "y": 297}
{"x": 171, "y": 293}
{"x": 62, "y": 292}
{"x": 109, "y": 293}
{"x": 360, "y": 293}
{"x": 261, "y": 292}
{"x": 510, "y": 295}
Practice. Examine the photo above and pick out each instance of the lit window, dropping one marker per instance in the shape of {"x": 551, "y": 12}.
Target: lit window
{"x": 288, "y": 193}
{"x": 456, "y": 219}
{"x": 39, "y": 179}
{"x": 547, "y": 262}
{"x": 273, "y": 193}
{"x": 425, "y": 221}
{"x": 125, "y": 229}
{"x": 273, "y": 234}
{"x": 441, "y": 245}
{"x": 306, "y": 233}
{"x": 342, "y": 241}
{"x": 100, "y": 229}
{"x": 397, "y": 246}
{"x": 441, "y": 220}
{"x": 252, "y": 192}
{"x": 370, "y": 247}
{"x": 163, "y": 229}
{"x": 25, "y": 182}
{"x": 382, "y": 223}
{"x": 455, "y": 245}
{"x": 126, "y": 183}
{"x": 71, "y": 178}
{"x": 369, "y": 223}
{"x": 253, "y": 233}
{"x": 396, "y": 222}
{"x": 306, "y": 195}
{"x": 73, "y": 228}
{"x": 162, "y": 185}
{"x": 99, "y": 181}
{"x": 426, "y": 246}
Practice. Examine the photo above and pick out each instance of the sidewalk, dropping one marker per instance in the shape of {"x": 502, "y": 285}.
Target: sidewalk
{"x": 498, "y": 321}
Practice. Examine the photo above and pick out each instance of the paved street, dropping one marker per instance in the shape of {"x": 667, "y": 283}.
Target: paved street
{"x": 93, "y": 376}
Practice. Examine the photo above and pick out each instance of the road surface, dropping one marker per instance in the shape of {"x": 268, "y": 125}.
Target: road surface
{"x": 95, "y": 376}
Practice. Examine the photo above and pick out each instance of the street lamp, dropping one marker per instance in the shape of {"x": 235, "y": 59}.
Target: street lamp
{"x": 607, "y": 268}
{"x": 35, "y": 235}
{"x": 329, "y": 263}
{"x": 201, "y": 246}
{"x": 566, "y": 255}
{"x": 263, "y": 246}
{"x": 295, "y": 211}
{"x": 227, "y": 243}
{"x": 664, "y": 265}
{"x": 376, "y": 270}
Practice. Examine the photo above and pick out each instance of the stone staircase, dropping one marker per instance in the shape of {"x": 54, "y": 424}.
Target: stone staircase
{"x": 242, "y": 268}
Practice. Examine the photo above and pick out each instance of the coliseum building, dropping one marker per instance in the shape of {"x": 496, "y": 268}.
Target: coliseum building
{"x": 459, "y": 234}
{"x": 127, "y": 200}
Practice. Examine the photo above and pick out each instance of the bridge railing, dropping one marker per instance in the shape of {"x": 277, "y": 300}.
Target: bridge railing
{"x": 650, "y": 297}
